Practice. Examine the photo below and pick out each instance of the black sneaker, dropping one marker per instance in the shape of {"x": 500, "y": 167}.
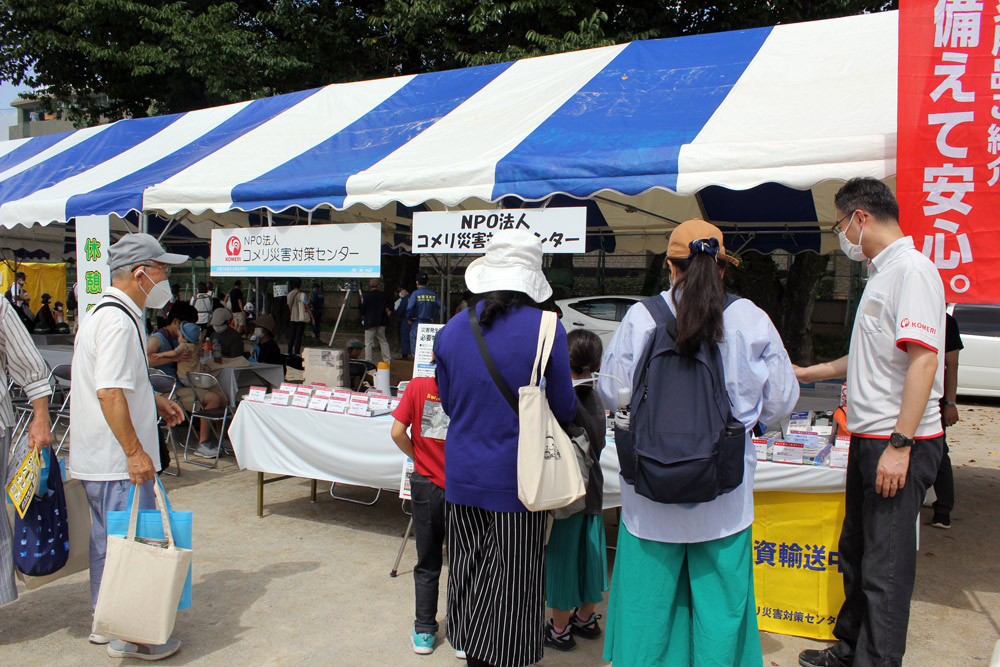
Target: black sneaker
{"x": 813, "y": 658}
{"x": 586, "y": 628}
{"x": 560, "y": 642}
{"x": 941, "y": 521}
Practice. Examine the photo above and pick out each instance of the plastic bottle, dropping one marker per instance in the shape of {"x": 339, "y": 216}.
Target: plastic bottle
{"x": 216, "y": 350}
{"x": 206, "y": 352}
{"x": 382, "y": 378}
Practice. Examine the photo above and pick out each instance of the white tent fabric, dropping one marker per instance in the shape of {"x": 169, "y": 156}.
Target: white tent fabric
{"x": 676, "y": 127}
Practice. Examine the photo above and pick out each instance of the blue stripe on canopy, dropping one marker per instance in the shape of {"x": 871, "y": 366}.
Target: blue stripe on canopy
{"x": 125, "y": 194}
{"x": 626, "y": 126}
{"x": 30, "y": 149}
{"x": 89, "y": 153}
{"x": 319, "y": 175}
{"x": 769, "y": 202}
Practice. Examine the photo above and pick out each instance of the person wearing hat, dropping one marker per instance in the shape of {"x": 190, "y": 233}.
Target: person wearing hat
{"x": 375, "y": 314}
{"x": 357, "y": 369}
{"x": 682, "y": 589}
{"x": 266, "y": 350}
{"x": 113, "y": 408}
{"x": 21, "y": 300}
{"x": 424, "y": 307}
{"x": 221, "y": 331}
{"x": 496, "y": 582}
{"x": 162, "y": 349}
{"x": 45, "y": 316}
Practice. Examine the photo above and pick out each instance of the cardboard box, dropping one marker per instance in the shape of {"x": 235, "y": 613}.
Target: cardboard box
{"x": 325, "y": 365}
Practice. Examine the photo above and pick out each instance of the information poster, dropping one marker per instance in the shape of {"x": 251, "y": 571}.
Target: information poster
{"x": 423, "y": 356}
{"x": 314, "y": 251}
{"x": 561, "y": 230}
{"x": 23, "y": 476}
{"x": 93, "y": 273}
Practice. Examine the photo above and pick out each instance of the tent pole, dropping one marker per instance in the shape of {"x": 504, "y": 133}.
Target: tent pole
{"x": 446, "y": 286}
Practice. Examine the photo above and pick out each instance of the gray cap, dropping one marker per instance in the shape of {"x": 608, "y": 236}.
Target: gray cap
{"x": 135, "y": 248}
{"x": 221, "y": 316}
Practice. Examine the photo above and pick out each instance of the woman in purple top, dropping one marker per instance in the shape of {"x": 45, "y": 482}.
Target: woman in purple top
{"x": 496, "y": 580}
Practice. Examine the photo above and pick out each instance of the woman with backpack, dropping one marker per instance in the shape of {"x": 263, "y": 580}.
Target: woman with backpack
{"x": 682, "y": 589}
{"x": 496, "y": 586}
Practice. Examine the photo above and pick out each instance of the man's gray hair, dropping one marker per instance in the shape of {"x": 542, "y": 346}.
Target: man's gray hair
{"x": 122, "y": 273}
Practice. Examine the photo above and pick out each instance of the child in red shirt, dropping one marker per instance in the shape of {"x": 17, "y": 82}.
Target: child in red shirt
{"x": 420, "y": 410}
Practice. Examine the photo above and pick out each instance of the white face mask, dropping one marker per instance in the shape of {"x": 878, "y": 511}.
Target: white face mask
{"x": 852, "y": 250}
{"x": 258, "y": 333}
{"x": 158, "y": 295}
{"x": 219, "y": 328}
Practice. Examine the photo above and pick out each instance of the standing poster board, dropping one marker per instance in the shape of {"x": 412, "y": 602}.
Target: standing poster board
{"x": 315, "y": 251}
{"x": 423, "y": 356}
{"x": 93, "y": 270}
{"x": 561, "y": 230}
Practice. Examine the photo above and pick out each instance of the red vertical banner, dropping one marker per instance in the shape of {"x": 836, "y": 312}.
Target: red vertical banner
{"x": 948, "y": 150}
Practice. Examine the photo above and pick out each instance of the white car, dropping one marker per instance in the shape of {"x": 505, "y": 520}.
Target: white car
{"x": 979, "y": 361}
{"x": 600, "y": 314}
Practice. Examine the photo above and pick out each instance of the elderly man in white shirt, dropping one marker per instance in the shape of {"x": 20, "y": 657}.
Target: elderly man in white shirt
{"x": 113, "y": 407}
{"x": 26, "y": 367}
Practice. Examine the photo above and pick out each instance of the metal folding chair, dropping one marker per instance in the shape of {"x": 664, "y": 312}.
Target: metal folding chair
{"x": 166, "y": 386}
{"x": 202, "y": 383}
{"x": 62, "y": 376}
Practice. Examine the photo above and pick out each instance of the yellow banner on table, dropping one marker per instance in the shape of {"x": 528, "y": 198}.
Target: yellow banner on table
{"x": 796, "y": 573}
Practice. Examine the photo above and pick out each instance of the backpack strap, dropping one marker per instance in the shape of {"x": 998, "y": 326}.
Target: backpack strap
{"x": 657, "y": 307}
{"x": 488, "y": 358}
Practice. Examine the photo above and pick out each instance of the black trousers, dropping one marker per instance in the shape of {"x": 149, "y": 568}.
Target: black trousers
{"x": 944, "y": 485}
{"x": 430, "y": 532}
{"x": 295, "y": 331}
{"x": 878, "y": 554}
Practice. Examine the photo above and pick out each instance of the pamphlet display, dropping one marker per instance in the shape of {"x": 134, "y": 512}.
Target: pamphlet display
{"x": 423, "y": 356}
{"x": 257, "y": 394}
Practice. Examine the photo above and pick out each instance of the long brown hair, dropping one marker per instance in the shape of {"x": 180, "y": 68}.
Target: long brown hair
{"x": 698, "y": 296}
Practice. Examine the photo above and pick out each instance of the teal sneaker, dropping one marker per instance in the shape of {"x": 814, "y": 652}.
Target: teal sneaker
{"x": 120, "y": 649}
{"x": 423, "y": 642}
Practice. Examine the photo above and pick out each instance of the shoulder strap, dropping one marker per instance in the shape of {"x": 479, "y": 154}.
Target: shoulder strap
{"x": 657, "y": 307}
{"x": 490, "y": 365}
{"x": 546, "y": 336}
{"x": 121, "y": 307}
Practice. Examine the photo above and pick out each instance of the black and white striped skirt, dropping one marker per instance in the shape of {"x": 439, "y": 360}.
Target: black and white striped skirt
{"x": 496, "y": 584}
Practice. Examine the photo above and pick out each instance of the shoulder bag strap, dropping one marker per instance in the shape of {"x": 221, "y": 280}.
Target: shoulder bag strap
{"x": 121, "y": 307}
{"x": 546, "y": 336}
{"x": 490, "y": 365}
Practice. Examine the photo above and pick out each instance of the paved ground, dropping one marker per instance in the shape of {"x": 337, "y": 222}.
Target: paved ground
{"x": 309, "y": 583}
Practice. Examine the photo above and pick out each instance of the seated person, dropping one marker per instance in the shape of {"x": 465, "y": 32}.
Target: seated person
{"x": 356, "y": 366}
{"x": 190, "y": 334}
{"x": 162, "y": 350}
{"x": 59, "y": 313}
{"x": 45, "y": 319}
{"x": 266, "y": 351}
{"x": 229, "y": 339}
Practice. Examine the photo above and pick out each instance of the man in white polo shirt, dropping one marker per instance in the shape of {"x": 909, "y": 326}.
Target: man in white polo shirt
{"x": 113, "y": 408}
{"x": 895, "y": 377}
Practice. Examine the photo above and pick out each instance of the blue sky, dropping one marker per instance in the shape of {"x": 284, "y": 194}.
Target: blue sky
{"x": 8, "y": 92}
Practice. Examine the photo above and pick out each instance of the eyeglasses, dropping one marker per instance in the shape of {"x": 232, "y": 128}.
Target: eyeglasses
{"x": 161, "y": 267}
{"x": 836, "y": 225}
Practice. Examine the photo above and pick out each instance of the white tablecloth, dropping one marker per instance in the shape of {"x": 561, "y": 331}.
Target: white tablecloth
{"x": 359, "y": 450}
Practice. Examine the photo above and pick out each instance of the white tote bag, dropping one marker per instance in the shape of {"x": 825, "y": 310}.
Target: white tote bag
{"x": 548, "y": 473}
{"x": 142, "y": 584}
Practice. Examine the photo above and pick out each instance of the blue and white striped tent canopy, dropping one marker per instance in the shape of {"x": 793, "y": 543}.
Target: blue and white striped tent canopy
{"x": 751, "y": 129}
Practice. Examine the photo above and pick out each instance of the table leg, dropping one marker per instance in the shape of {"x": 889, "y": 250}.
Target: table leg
{"x": 260, "y": 494}
{"x": 399, "y": 556}
{"x": 314, "y": 490}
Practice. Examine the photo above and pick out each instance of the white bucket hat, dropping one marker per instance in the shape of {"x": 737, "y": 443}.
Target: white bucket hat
{"x": 513, "y": 262}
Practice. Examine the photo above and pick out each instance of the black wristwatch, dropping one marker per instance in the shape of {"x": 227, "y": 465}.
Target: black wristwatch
{"x": 898, "y": 440}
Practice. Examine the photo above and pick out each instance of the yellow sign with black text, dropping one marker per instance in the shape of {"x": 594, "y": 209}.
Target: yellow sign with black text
{"x": 797, "y": 579}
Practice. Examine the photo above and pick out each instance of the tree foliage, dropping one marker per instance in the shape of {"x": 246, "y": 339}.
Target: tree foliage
{"x": 109, "y": 59}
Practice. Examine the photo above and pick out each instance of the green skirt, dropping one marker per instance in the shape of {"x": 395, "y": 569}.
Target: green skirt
{"x": 682, "y": 605}
{"x": 576, "y": 563}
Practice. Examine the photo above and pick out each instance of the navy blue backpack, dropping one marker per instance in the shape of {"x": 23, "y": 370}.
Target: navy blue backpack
{"x": 41, "y": 538}
{"x": 683, "y": 444}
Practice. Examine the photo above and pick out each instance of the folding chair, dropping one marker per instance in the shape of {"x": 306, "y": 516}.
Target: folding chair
{"x": 166, "y": 386}
{"x": 62, "y": 375}
{"x": 202, "y": 383}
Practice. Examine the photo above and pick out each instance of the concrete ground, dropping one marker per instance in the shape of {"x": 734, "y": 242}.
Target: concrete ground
{"x": 309, "y": 583}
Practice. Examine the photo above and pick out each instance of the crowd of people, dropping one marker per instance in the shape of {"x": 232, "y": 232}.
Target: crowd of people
{"x": 682, "y": 587}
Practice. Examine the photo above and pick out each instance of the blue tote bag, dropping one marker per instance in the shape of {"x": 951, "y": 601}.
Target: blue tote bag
{"x": 150, "y": 525}
{"x": 41, "y": 538}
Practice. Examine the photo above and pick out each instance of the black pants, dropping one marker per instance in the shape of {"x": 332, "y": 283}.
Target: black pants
{"x": 878, "y": 554}
{"x": 430, "y": 532}
{"x": 944, "y": 485}
{"x": 295, "y": 331}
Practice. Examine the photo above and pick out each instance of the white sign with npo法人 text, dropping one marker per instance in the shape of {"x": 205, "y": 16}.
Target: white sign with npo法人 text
{"x": 321, "y": 251}
{"x": 561, "y": 230}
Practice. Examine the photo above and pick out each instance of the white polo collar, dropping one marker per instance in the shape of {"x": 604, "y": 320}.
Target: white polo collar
{"x": 891, "y": 252}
